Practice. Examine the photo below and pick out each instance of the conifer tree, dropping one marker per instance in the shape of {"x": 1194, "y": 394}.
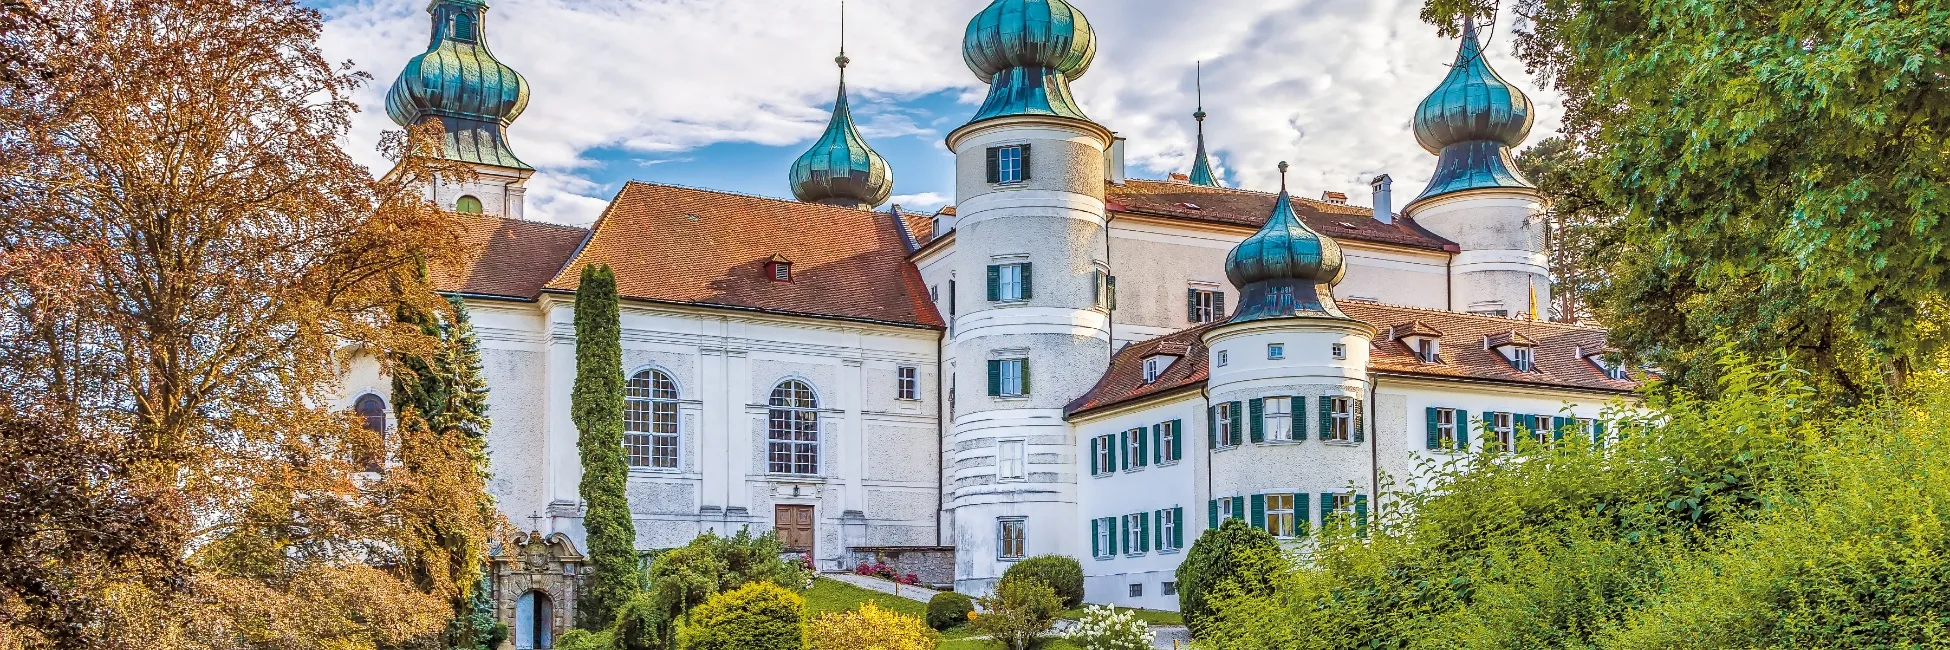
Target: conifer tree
{"x": 597, "y": 408}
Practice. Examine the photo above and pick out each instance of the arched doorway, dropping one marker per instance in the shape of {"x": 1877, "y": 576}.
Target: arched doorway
{"x": 534, "y": 622}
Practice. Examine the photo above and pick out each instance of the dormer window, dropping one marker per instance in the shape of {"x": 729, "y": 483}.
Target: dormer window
{"x": 1521, "y": 358}
{"x": 1518, "y": 349}
{"x": 1428, "y": 350}
{"x": 1424, "y": 341}
{"x": 1156, "y": 365}
{"x": 779, "y": 269}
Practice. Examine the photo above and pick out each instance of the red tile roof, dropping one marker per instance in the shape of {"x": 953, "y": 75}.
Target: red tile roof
{"x": 1245, "y": 208}
{"x": 1463, "y": 356}
{"x": 507, "y": 258}
{"x": 692, "y": 246}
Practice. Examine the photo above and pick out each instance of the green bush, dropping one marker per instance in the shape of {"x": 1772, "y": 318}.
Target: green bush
{"x": 584, "y": 640}
{"x": 948, "y": 609}
{"x": 1061, "y": 572}
{"x": 642, "y": 625}
{"x": 1018, "y": 613}
{"x": 757, "y": 616}
{"x": 1234, "y": 554}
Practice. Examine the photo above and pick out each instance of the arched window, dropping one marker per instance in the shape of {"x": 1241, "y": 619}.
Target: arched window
{"x": 372, "y": 415}
{"x": 793, "y": 431}
{"x": 468, "y": 205}
{"x": 650, "y": 421}
{"x": 464, "y": 27}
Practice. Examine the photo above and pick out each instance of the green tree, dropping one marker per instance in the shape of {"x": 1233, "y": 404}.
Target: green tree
{"x": 596, "y": 405}
{"x": 1778, "y": 169}
{"x": 1234, "y": 556}
{"x": 1019, "y": 612}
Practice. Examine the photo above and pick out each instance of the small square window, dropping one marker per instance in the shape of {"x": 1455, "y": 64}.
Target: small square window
{"x": 910, "y": 382}
{"x": 1223, "y": 358}
{"x": 1168, "y": 588}
{"x": 1276, "y": 351}
{"x": 1009, "y": 377}
{"x": 1137, "y": 590}
{"x": 934, "y": 293}
{"x": 1204, "y": 305}
{"x": 1154, "y": 367}
{"x": 1522, "y": 359}
{"x": 1012, "y": 538}
{"x": 1428, "y": 350}
{"x": 1008, "y": 165}
{"x": 1010, "y": 285}
{"x": 1340, "y": 351}
{"x": 1009, "y": 460}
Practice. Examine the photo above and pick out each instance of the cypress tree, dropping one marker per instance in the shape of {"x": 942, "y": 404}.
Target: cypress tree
{"x": 597, "y": 408}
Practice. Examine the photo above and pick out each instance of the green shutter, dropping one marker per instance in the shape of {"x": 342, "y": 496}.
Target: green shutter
{"x": 1191, "y": 305}
{"x": 1326, "y": 418}
{"x": 1157, "y": 443}
{"x": 1177, "y": 440}
{"x": 1178, "y": 527}
{"x": 1212, "y": 513}
{"x": 1258, "y": 408}
{"x": 1259, "y": 511}
{"x": 1361, "y": 515}
{"x": 1025, "y": 375}
{"x": 1462, "y": 430}
{"x": 1218, "y": 305}
{"x": 1212, "y": 427}
{"x": 1360, "y": 420}
{"x": 1598, "y": 432}
{"x": 1025, "y": 176}
{"x": 995, "y": 282}
{"x": 1093, "y": 456}
{"x": 1301, "y": 523}
{"x": 1123, "y": 528}
{"x": 1238, "y": 418}
{"x": 1123, "y": 454}
{"x": 1096, "y": 538}
{"x": 1298, "y": 409}
{"x": 1239, "y": 508}
{"x": 1144, "y": 532}
{"x": 1326, "y": 509}
{"x": 1144, "y": 448}
{"x": 1027, "y": 287}
{"x": 995, "y": 377}
{"x": 995, "y": 166}
{"x": 1557, "y": 433}
{"x": 1435, "y": 434}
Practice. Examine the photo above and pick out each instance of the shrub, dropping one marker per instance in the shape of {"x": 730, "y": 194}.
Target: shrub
{"x": 584, "y": 640}
{"x": 1234, "y": 554}
{"x": 1019, "y": 612}
{"x": 948, "y": 609}
{"x": 757, "y": 616}
{"x": 642, "y": 625}
{"x": 1106, "y": 628}
{"x": 871, "y": 627}
{"x": 1061, "y": 572}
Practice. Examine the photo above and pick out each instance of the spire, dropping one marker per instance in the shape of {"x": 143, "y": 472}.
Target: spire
{"x": 1201, "y": 165}
{"x": 1286, "y": 270}
{"x": 459, "y": 83}
{"x": 840, "y": 168}
{"x": 1472, "y": 120}
{"x": 1028, "y": 51}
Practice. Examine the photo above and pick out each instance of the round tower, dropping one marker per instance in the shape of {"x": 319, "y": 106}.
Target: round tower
{"x": 458, "y": 83}
{"x": 1032, "y": 331}
{"x": 1288, "y": 387}
{"x": 1476, "y": 198}
{"x": 840, "y": 169}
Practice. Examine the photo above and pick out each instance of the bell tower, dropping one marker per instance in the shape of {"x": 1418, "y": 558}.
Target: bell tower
{"x": 458, "y": 83}
{"x": 1033, "y": 332}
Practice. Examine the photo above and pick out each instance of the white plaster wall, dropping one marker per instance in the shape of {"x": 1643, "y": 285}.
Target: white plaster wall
{"x": 1403, "y": 446}
{"x": 1501, "y": 234}
{"x": 502, "y": 190}
{"x": 1158, "y": 486}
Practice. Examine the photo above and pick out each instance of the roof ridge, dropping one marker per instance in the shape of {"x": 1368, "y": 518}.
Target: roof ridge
{"x": 1220, "y": 189}
{"x": 761, "y": 197}
{"x": 1502, "y": 321}
{"x": 521, "y": 220}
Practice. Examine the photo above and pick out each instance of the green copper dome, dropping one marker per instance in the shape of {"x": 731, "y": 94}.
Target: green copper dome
{"x": 1471, "y": 121}
{"x": 1201, "y": 164}
{"x": 1028, "y": 51}
{"x": 840, "y": 169}
{"x": 1286, "y": 269}
{"x": 459, "y": 82}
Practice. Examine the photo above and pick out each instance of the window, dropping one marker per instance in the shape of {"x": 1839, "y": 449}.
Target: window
{"x": 1165, "y": 434}
{"x": 1008, "y": 377}
{"x": 1137, "y": 590}
{"x": 1168, "y": 533}
{"x": 782, "y": 271}
{"x": 1009, "y": 164}
{"x": 1103, "y": 455}
{"x": 1445, "y": 429}
{"x": 371, "y": 410}
{"x": 1010, "y": 460}
{"x": 1616, "y": 372}
{"x": 1168, "y": 589}
{"x": 1428, "y": 350}
{"x": 1279, "y": 515}
{"x": 1223, "y": 358}
{"x": 1592, "y": 430}
{"x": 650, "y": 420}
{"x": 1137, "y": 528}
{"x": 1279, "y": 418}
{"x": 1546, "y": 429}
{"x": 793, "y": 429}
{"x": 1105, "y": 290}
{"x": 1204, "y": 305}
{"x": 1227, "y": 424}
{"x": 1155, "y": 366}
{"x": 909, "y": 379}
{"x": 951, "y": 299}
{"x": 1011, "y": 538}
{"x": 1134, "y": 449}
{"x": 1103, "y": 537}
{"x": 1521, "y": 359}
{"x": 1502, "y": 424}
{"x": 1009, "y": 282}
{"x": 1344, "y": 504}
{"x": 1276, "y": 351}
{"x": 934, "y": 294}
{"x": 1229, "y": 509}
{"x": 1280, "y": 299}
{"x": 1343, "y": 423}
{"x": 468, "y": 205}
{"x": 1340, "y": 351}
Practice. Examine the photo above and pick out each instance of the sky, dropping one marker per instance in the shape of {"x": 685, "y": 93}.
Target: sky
{"x": 724, "y": 94}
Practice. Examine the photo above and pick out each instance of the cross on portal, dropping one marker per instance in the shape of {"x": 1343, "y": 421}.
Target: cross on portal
{"x": 537, "y": 519}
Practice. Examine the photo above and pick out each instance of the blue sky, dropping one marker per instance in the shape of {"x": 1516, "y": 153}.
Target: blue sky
{"x": 724, "y": 94}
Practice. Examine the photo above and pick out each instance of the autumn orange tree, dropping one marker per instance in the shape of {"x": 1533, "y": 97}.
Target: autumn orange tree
{"x": 187, "y": 262}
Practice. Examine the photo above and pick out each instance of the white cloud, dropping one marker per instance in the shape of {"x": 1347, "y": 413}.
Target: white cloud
{"x": 923, "y": 202}
{"x": 1328, "y": 85}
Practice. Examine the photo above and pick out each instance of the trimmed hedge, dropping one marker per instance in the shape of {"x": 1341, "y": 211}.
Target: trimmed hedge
{"x": 757, "y": 616}
{"x": 948, "y": 609}
{"x": 1062, "y": 573}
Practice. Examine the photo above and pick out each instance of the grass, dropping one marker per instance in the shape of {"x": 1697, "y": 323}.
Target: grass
{"x": 835, "y": 596}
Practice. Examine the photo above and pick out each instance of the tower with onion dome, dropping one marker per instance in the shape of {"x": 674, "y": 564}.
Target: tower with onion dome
{"x": 840, "y": 169}
{"x": 1476, "y": 198}
{"x": 1201, "y": 164}
{"x": 1032, "y": 330}
{"x": 1289, "y": 375}
{"x": 459, "y": 84}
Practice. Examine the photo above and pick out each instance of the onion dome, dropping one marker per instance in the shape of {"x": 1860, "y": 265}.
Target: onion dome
{"x": 840, "y": 169}
{"x": 1472, "y": 120}
{"x": 459, "y": 82}
{"x": 1286, "y": 269}
{"x": 1201, "y": 164}
{"x": 1028, "y": 51}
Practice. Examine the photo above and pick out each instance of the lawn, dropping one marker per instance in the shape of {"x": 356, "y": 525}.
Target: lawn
{"x": 835, "y": 596}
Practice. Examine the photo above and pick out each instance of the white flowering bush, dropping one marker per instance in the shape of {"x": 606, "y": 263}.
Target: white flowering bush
{"x": 1107, "y": 628}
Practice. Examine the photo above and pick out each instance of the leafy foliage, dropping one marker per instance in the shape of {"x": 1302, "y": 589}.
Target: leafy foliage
{"x": 1235, "y": 556}
{"x": 1754, "y": 519}
{"x": 596, "y": 406}
{"x": 1019, "y": 612}
{"x": 871, "y": 627}
{"x": 1578, "y": 224}
{"x": 687, "y": 576}
{"x": 1061, "y": 572}
{"x": 579, "y": 639}
{"x": 1106, "y": 628}
{"x": 641, "y": 625}
{"x": 1779, "y": 170}
{"x": 948, "y": 609}
{"x": 757, "y": 616}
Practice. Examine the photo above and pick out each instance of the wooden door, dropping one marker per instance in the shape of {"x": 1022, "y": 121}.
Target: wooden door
{"x": 795, "y": 526}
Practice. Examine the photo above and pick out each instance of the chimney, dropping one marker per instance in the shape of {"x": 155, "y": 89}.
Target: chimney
{"x": 1114, "y": 161}
{"x": 1384, "y": 198}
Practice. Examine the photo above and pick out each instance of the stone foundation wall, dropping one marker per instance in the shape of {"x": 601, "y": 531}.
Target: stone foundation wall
{"x": 934, "y": 565}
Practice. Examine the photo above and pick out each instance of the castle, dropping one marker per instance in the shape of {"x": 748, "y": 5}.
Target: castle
{"x": 1065, "y": 361}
